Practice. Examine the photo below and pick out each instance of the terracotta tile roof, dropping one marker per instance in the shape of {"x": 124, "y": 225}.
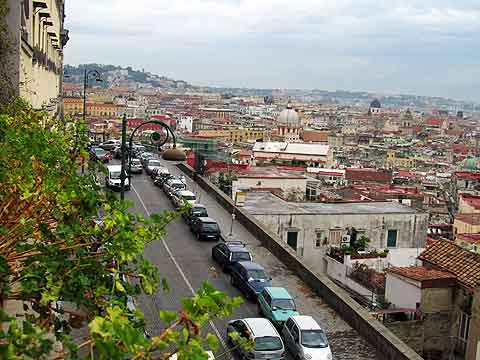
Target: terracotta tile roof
{"x": 421, "y": 273}
{"x": 472, "y": 200}
{"x": 467, "y": 175}
{"x": 471, "y": 219}
{"x": 471, "y": 238}
{"x": 315, "y": 136}
{"x": 369, "y": 175}
{"x": 447, "y": 256}
{"x": 434, "y": 122}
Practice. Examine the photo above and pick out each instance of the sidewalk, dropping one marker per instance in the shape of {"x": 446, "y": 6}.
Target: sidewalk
{"x": 346, "y": 343}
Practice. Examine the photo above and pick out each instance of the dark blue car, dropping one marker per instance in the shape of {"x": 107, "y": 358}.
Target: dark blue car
{"x": 250, "y": 278}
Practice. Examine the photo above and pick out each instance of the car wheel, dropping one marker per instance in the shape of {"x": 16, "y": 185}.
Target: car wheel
{"x": 233, "y": 282}
{"x": 199, "y": 237}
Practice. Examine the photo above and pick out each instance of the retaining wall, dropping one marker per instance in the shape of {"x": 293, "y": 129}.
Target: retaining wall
{"x": 388, "y": 345}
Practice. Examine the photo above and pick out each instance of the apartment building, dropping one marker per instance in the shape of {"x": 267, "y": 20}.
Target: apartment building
{"x": 35, "y": 65}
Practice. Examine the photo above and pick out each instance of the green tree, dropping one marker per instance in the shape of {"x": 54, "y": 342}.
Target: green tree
{"x": 53, "y": 248}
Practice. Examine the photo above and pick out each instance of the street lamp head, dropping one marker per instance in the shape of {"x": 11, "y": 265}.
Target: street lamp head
{"x": 174, "y": 154}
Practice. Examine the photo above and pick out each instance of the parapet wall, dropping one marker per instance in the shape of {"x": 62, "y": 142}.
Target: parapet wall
{"x": 388, "y": 345}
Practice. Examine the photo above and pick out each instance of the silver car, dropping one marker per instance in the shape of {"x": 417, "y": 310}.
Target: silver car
{"x": 136, "y": 166}
{"x": 267, "y": 343}
{"x": 305, "y": 339}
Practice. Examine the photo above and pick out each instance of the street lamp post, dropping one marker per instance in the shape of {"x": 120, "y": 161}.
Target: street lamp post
{"x": 172, "y": 154}
{"x": 231, "y": 224}
{"x": 86, "y": 76}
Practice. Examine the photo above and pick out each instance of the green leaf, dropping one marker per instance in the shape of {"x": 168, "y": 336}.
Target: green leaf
{"x": 168, "y": 316}
{"x": 212, "y": 342}
{"x": 119, "y": 286}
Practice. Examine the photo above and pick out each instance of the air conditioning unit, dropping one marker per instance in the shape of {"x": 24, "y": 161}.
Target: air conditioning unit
{"x": 346, "y": 239}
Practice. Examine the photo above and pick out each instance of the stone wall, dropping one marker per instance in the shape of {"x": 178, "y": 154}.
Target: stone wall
{"x": 409, "y": 331}
{"x": 388, "y": 345}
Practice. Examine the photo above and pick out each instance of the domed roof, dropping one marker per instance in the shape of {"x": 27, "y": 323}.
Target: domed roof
{"x": 470, "y": 163}
{"x": 289, "y": 117}
{"x": 375, "y": 104}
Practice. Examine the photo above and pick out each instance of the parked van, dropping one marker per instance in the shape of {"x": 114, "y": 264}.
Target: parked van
{"x": 267, "y": 343}
{"x": 113, "y": 181}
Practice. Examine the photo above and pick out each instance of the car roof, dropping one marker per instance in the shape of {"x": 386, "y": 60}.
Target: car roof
{"x": 154, "y": 159}
{"x": 185, "y": 192}
{"x": 250, "y": 265}
{"x": 114, "y": 167}
{"x": 198, "y": 206}
{"x": 261, "y": 327}
{"x": 175, "y": 180}
{"x": 237, "y": 247}
{"x": 206, "y": 219}
{"x": 278, "y": 292}
{"x": 306, "y": 322}
{"x": 98, "y": 148}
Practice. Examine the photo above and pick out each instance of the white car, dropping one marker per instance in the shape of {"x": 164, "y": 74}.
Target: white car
{"x": 152, "y": 164}
{"x": 110, "y": 144}
{"x": 173, "y": 185}
{"x": 178, "y": 198}
{"x": 209, "y": 353}
{"x": 305, "y": 339}
{"x": 113, "y": 180}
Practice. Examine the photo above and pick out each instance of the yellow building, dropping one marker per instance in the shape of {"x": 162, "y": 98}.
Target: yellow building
{"x": 38, "y": 37}
{"x": 74, "y": 106}
{"x": 399, "y": 162}
{"x": 235, "y": 135}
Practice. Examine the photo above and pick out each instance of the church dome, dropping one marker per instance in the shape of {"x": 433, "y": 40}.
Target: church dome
{"x": 375, "y": 104}
{"x": 289, "y": 117}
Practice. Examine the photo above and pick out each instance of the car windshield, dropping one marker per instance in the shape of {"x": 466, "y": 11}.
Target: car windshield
{"x": 314, "y": 339}
{"x": 268, "y": 343}
{"x": 189, "y": 197}
{"x": 154, "y": 163}
{"x": 115, "y": 175}
{"x": 284, "y": 304}
{"x": 257, "y": 274}
{"x": 136, "y": 162}
{"x": 178, "y": 186}
{"x": 100, "y": 151}
{"x": 241, "y": 256}
{"x": 199, "y": 212}
{"x": 210, "y": 226}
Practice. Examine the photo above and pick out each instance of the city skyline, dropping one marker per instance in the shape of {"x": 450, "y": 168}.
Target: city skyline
{"x": 396, "y": 47}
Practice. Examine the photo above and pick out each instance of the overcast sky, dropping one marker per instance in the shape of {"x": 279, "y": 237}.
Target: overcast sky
{"x": 425, "y": 47}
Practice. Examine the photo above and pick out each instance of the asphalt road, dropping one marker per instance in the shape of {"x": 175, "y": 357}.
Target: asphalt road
{"x": 186, "y": 263}
{"x": 181, "y": 259}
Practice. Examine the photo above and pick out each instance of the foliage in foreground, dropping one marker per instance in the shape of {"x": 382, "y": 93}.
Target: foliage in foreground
{"x": 67, "y": 269}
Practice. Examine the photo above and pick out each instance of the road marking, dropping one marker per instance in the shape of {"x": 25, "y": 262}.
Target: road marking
{"x": 182, "y": 273}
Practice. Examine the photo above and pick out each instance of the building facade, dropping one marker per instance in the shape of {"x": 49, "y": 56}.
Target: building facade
{"x": 311, "y": 228}
{"x": 36, "y": 62}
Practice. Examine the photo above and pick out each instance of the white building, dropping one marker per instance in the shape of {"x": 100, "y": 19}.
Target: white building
{"x": 302, "y": 154}
{"x": 185, "y": 123}
{"x": 269, "y": 179}
{"x": 311, "y": 228}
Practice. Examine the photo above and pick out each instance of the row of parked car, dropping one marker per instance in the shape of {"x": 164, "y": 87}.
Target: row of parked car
{"x": 281, "y": 326}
